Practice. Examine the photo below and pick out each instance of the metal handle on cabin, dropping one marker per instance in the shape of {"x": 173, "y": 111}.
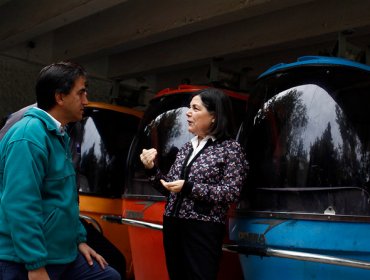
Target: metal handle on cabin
{"x": 296, "y": 255}
{"x": 93, "y": 222}
{"x": 131, "y": 222}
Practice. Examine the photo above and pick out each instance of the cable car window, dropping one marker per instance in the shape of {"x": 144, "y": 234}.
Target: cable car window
{"x": 102, "y": 141}
{"x": 307, "y": 137}
{"x": 164, "y": 127}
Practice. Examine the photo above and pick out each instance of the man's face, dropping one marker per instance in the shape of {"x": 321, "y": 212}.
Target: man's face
{"x": 75, "y": 101}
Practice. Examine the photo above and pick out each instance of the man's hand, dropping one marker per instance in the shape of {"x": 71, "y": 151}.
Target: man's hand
{"x": 89, "y": 254}
{"x": 38, "y": 274}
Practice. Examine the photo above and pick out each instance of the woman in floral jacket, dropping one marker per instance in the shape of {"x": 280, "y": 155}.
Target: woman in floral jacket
{"x": 206, "y": 177}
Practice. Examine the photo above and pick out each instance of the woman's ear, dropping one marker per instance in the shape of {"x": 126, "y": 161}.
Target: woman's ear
{"x": 213, "y": 117}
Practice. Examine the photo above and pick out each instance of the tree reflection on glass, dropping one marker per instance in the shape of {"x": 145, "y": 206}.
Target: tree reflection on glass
{"x": 282, "y": 120}
{"x": 307, "y": 152}
{"x": 168, "y": 132}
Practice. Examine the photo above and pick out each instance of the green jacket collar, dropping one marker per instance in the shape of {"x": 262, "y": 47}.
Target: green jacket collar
{"x": 45, "y": 118}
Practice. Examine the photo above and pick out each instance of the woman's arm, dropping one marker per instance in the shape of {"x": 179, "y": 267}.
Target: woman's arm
{"x": 233, "y": 176}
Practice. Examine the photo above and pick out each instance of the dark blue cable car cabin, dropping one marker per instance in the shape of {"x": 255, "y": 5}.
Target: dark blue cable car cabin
{"x": 305, "y": 209}
{"x": 307, "y": 138}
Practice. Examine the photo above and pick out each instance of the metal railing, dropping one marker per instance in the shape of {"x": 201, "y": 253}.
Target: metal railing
{"x": 262, "y": 251}
{"x": 131, "y": 222}
{"x": 93, "y": 222}
{"x": 296, "y": 255}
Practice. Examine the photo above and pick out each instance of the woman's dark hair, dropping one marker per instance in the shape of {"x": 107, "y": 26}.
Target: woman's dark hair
{"x": 219, "y": 104}
{"x": 57, "y": 77}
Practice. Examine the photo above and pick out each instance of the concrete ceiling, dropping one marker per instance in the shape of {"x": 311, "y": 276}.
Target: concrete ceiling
{"x": 123, "y": 39}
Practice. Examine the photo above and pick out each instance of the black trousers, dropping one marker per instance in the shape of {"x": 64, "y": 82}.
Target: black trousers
{"x": 193, "y": 248}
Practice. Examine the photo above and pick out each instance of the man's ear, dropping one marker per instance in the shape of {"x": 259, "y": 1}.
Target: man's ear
{"x": 59, "y": 98}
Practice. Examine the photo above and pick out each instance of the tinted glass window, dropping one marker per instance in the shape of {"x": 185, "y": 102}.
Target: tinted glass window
{"x": 163, "y": 127}
{"x": 307, "y": 137}
{"x": 101, "y": 144}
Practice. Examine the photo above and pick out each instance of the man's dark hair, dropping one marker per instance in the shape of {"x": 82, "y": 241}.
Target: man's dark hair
{"x": 219, "y": 104}
{"x": 56, "y": 78}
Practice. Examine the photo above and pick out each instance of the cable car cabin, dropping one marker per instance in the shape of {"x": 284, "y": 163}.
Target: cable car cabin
{"x": 305, "y": 210}
{"x": 164, "y": 127}
{"x": 101, "y": 142}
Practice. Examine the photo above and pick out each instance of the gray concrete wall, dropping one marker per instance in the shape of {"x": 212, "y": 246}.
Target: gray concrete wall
{"x": 17, "y": 81}
{"x": 99, "y": 90}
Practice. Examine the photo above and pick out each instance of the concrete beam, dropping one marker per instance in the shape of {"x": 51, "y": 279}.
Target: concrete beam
{"x": 142, "y": 22}
{"x": 319, "y": 20}
{"x": 22, "y": 20}
{"x": 2, "y": 2}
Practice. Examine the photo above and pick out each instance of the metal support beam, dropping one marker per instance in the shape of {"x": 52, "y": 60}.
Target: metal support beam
{"x": 311, "y": 23}
{"x": 142, "y": 22}
{"x": 23, "y": 20}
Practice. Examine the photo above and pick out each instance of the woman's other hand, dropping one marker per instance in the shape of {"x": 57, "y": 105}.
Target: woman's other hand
{"x": 175, "y": 186}
{"x": 147, "y": 157}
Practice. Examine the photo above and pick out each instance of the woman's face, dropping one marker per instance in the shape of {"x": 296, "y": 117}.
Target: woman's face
{"x": 199, "y": 119}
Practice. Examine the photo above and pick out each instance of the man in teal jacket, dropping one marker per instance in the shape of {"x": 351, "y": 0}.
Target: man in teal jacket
{"x": 41, "y": 236}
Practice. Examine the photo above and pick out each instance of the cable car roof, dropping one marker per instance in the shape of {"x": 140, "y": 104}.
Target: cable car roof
{"x": 315, "y": 61}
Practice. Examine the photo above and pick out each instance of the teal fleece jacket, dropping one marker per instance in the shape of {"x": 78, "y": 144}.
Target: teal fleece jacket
{"x": 39, "y": 214}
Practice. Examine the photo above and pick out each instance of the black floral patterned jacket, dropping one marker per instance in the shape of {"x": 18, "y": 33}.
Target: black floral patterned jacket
{"x": 213, "y": 180}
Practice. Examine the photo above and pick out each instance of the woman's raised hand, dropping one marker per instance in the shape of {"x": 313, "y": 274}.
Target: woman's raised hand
{"x": 147, "y": 157}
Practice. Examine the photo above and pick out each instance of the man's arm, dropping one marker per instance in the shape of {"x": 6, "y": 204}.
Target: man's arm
{"x": 21, "y": 202}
